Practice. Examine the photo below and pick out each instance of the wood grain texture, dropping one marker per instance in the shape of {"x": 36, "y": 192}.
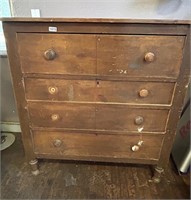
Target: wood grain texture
{"x": 70, "y": 116}
{"x": 98, "y": 91}
{"x": 67, "y": 90}
{"x": 124, "y": 55}
{"x": 60, "y": 179}
{"x": 102, "y": 55}
{"x": 91, "y": 145}
{"x": 106, "y": 57}
{"x": 75, "y": 54}
{"x": 17, "y": 78}
{"x": 178, "y": 102}
{"x": 101, "y": 28}
{"x": 99, "y": 117}
{"x": 96, "y": 20}
{"x": 123, "y": 118}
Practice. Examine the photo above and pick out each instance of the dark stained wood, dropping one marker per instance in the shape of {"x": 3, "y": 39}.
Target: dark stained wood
{"x": 17, "y": 78}
{"x": 116, "y": 55}
{"x": 129, "y": 92}
{"x": 101, "y": 77}
{"x": 67, "y": 90}
{"x": 79, "y": 116}
{"x": 89, "y": 58}
{"x": 125, "y": 55}
{"x": 91, "y": 145}
{"x": 178, "y": 102}
{"x": 85, "y": 180}
{"x": 90, "y": 131}
{"x": 74, "y": 54}
{"x": 96, "y": 20}
{"x": 98, "y": 117}
{"x": 100, "y": 28}
{"x": 98, "y": 91}
{"x": 122, "y": 118}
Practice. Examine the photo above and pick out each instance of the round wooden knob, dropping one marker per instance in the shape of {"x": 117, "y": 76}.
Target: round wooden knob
{"x": 54, "y": 117}
{"x": 57, "y": 143}
{"x": 50, "y": 54}
{"x": 135, "y": 148}
{"x": 149, "y": 57}
{"x": 143, "y": 93}
{"x": 139, "y": 120}
{"x": 52, "y": 90}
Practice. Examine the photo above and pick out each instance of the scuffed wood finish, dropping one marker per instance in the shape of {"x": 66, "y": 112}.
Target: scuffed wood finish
{"x": 102, "y": 55}
{"x": 92, "y": 145}
{"x": 97, "y": 86}
{"x": 99, "y": 117}
{"x": 75, "y": 54}
{"x": 98, "y": 91}
{"x": 68, "y": 115}
{"x": 125, "y": 55}
{"x": 97, "y": 20}
{"x": 85, "y": 180}
{"x": 65, "y": 90}
{"x": 19, "y": 92}
{"x": 178, "y": 102}
{"x": 122, "y": 118}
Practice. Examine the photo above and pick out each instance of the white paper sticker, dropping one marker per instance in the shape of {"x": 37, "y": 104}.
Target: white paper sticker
{"x": 52, "y": 29}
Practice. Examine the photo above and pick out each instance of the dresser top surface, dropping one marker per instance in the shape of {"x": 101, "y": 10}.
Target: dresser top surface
{"x": 106, "y": 11}
{"x": 96, "y": 20}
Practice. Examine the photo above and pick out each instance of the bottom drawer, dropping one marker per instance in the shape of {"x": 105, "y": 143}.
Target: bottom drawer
{"x": 85, "y": 146}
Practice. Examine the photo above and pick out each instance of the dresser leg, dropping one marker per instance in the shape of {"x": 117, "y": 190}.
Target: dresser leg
{"x": 158, "y": 171}
{"x": 34, "y": 167}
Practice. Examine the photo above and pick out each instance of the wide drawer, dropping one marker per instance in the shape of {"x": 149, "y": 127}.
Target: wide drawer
{"x": 110, "y": 55}
{"x": 99, "y": 91}
{"x": 98, "y": 117}
{"x": 90, "y": 146}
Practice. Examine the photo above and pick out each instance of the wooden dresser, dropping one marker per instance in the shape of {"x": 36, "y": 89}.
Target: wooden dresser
{"x": 108, "y": 90}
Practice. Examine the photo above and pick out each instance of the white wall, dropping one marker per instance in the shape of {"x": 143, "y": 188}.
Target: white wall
{"x": 146, "y": 9}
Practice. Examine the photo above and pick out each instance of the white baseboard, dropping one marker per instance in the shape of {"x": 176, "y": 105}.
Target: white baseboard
{"x": 10, "y": 127}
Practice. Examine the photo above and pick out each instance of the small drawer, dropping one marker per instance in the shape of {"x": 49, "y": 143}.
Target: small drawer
{"x": 99, "y": 91}
{"x": 90, "y": 146}
{"x": 139, "y": 55}
{"x": 97, "y": 117}
{"x": 57, "y": 53}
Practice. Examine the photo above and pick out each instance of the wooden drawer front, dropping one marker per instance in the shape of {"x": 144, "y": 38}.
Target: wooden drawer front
{"x": 134, "y": 92}
{"x": 100, "y": 117}
{"x": 125, "y": 55}
{"x": 75, "y": 54}
{"x": 124, "y": 119}
{"x": 75, "y": 145}
{"x": 99, "y": 91}
{"x": 61, "y": 115}
{"x": 60, "y": 90}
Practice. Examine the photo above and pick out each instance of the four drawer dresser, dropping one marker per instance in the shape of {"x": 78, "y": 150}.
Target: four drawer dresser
{"x": 108, "y": 90}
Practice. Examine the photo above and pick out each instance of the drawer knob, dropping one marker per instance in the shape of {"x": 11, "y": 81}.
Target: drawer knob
{"x": 54, "y": 117}
{"x": 57, "y": 143}
{"x": 52, "y": 90}
{"x": 149, "y": 57}
{"x": 135, "y": 148}
{"x": 143, "y": 93}
{"x": 139, "y": 120}
{"x": 50, "y": 54}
